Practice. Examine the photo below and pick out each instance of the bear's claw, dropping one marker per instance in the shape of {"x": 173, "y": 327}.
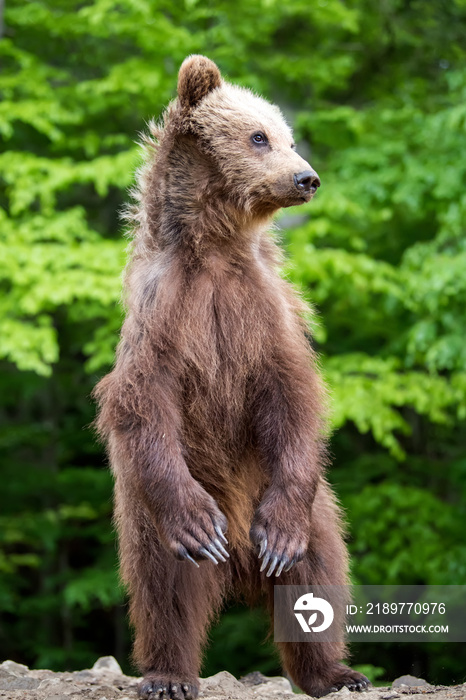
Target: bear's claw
{"x": 276, "y": 562}
{"x": 197, "y": 539}
{"x": 219, "y": 532}
{"x": 344, "y": 678}
{"x": 156, "y": 689}
{"x": 354, "y": 687}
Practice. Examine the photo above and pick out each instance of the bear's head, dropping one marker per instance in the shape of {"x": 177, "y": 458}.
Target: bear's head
{"x": 245, "y": 137}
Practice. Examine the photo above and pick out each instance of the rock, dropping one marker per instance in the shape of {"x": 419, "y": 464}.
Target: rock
{"x": 269, "y": 685}
{"x": 107, "y": 664}
{"x": 84, "y": 676}
{"x": 408, "y": 680}
{"x": 254, "y": 678}
{"x": 107, "y": 683}
{"x": 104, "y": 692}
{"x": 273, "y": 685}
{"x": 13, "y": 667}
{"x": 54, "y": 687}
{"x": 258, "y": 685}
{"x": 49, "y": 683}
{"x": 41, "y": 674}
{"x": 16, "y": 681}
{"x": 222, "y": 683}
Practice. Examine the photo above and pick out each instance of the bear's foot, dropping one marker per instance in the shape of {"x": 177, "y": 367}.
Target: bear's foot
{"x": 335, "y": 678}
{"x": 157, "y": 686}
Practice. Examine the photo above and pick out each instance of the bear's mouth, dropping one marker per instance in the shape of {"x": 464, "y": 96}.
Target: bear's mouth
{"x": 294, "y": 199}
{"x": 303, "y": 198}
{"x": 284, "y": 195}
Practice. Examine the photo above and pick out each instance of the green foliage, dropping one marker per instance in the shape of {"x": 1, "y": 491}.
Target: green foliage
{"x": 377, "y": 94}
{"x": 373, "y": 672}
{"x": 424, "y": 543}
{"x": 241, "y": 636}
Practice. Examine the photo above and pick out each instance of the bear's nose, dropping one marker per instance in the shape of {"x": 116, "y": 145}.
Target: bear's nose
{"x": 307, "y": 181}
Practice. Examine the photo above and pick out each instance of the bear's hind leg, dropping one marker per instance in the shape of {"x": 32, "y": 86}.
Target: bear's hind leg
{"x": 315, "y": 666}
{"x": 171, "y": 605}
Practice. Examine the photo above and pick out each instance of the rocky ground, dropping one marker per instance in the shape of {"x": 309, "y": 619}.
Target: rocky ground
{"x": 105, "y": 681}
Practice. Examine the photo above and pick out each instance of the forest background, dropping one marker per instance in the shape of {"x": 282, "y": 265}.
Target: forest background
{"x": 376, "y": 91}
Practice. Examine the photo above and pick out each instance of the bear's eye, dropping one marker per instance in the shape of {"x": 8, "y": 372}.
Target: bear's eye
{"x": 259, "y": 138}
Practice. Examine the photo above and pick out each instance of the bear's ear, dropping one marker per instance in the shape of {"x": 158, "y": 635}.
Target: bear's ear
{"x": 197, "y": 77}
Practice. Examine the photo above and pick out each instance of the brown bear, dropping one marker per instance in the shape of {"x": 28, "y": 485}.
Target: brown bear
{"x": 213, "y": 412}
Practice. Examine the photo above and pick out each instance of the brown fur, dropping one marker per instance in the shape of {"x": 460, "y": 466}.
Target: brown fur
{"x": 213, "y": 413}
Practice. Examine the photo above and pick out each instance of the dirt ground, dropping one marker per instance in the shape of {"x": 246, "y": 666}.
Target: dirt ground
{"x": 105, "y": 681}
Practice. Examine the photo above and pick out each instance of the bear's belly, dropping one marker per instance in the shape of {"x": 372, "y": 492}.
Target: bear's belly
{"x": 224, "y": 461}
{"x": 216, "y": 417}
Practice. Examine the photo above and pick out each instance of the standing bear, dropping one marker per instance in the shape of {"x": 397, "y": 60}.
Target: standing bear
{"x": 213, "y": 412}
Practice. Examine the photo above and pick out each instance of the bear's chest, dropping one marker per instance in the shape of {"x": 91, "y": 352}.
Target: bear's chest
{"x": 224, "y": 334}
{"x": 224, "y": 323}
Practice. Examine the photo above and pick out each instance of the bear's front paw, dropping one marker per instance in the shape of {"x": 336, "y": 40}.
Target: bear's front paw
{"x": 197, "y": 531}
{"x": 280, "y": 542}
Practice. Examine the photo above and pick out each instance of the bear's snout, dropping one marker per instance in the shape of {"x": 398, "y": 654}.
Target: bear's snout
{"x": 308, "y": 181}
